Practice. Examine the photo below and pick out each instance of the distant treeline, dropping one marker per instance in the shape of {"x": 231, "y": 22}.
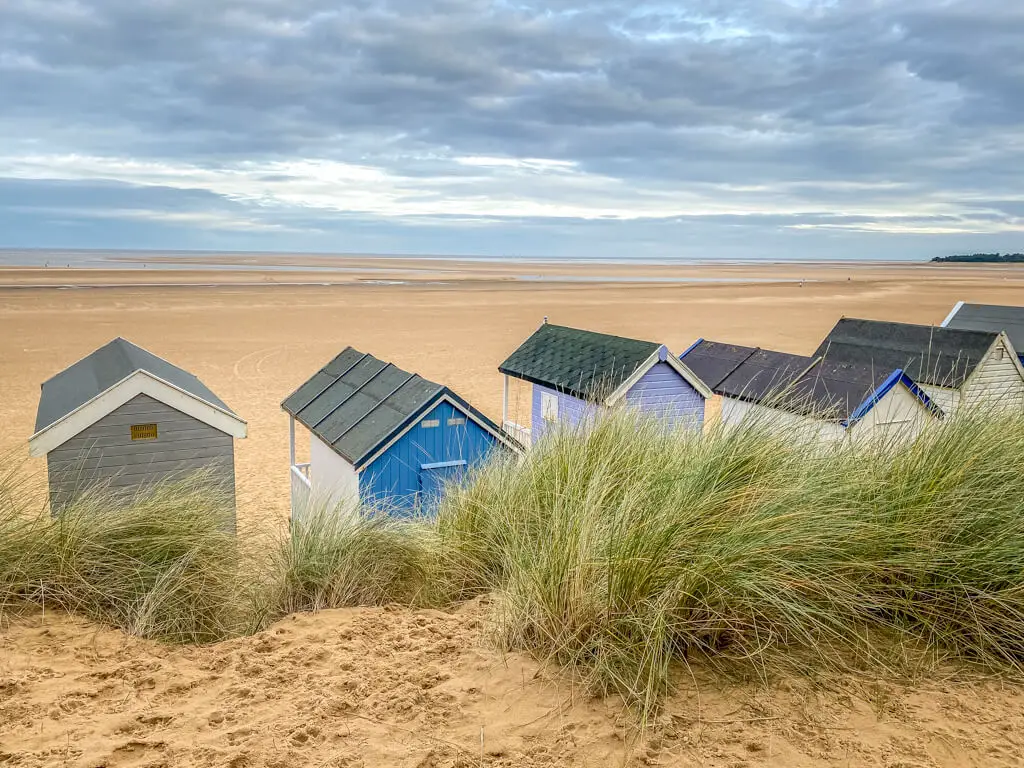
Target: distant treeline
{"x": 1000, "y": 258}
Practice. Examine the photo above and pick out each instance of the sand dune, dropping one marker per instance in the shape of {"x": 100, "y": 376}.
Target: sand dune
{"x": 393, "y": 687}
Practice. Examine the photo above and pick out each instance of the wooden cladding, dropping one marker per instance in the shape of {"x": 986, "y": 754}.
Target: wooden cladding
{"x": 143, "y": 431}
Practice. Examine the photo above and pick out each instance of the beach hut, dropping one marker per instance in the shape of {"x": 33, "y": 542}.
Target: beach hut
{"x": 821, "y": 399}
{"x": 125, "y": 418}
{"x": 955, "y": 367}
{"x": 574, "y": 373}
{"x": 381, "y": 435}
{"x": 989, "y": 317}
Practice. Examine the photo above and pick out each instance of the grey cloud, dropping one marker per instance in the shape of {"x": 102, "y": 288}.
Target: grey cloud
{"x": 924, "y": 93}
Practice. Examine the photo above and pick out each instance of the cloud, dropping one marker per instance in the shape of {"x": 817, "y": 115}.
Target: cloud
{"x": 885, "y": 121}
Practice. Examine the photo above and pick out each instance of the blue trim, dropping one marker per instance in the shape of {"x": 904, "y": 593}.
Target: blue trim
{"x": 459, "y": 405}
{"x": 690, "y": 348}
{"x": 896, "y": 377}
{"x": 415, "y": 416}
{"x": 496, "y": 432}
{"x": 443, "y": 464}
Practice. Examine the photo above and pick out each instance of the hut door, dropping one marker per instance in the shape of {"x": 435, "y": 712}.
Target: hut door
{"x": 433, "y": 478}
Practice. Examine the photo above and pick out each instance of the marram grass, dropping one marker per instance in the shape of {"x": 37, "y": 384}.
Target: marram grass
{"x": 335, "y": 558}
{"x": 162, "y": 564}
{"x": 619, "y": 551}
{"x": 623, "y": 549}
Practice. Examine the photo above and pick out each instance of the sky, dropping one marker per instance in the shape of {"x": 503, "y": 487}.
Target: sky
{"x": 881, "y": 129}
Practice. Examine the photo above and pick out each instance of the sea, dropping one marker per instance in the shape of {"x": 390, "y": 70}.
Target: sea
{"x": 300, "y": 261}
{"x": 320, "y": 265}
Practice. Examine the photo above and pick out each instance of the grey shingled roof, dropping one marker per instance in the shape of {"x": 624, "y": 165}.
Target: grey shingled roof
{"x": 584, "y": 364}
{"x": 929, "y": 355}
{"x": 713, "y": 361}
{"x": 991, "y": 317}
{"x": 805, "y": 385}
{"x": 762, "y": 373}
{"x": 98, "y": 372}
{"x": 831, "y": 390}
{"x": 356, "y": 402}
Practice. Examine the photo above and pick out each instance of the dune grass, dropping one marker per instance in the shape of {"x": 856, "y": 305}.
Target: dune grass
{"x": 163, "y": 564}
{"x": 620, "y": 552}
{"x": 622, "y": 549}
{"x": 336, "y": 558}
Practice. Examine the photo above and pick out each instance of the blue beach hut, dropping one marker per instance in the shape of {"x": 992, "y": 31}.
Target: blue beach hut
{"x": 382, "y": 435}
{"x": 574, "y": 373}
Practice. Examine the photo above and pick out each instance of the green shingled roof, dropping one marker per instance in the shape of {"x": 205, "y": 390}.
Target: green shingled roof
{"x": 583, "y": 364}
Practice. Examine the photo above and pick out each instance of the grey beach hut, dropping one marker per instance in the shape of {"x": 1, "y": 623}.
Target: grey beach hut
{"x": 125, "y": 418}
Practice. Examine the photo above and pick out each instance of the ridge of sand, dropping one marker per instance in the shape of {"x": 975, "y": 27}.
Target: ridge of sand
{"x": 420, "y": 688}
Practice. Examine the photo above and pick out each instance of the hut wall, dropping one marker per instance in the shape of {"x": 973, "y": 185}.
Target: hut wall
{"x": 736, "y": 412}
{"x": 571, "y": 411}
{"x": 664, "y": 393}
{"x": 105, "y": 452}
{"x": 443, "y": 435}
{"x": 946, "y": 398}
{"x": 899, "y": 415}
{"x": 996, "y": 382}
{"x": 333, "y": 481}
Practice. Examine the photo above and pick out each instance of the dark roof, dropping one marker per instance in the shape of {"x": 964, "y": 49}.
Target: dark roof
{"x": 929, "y": 355}
{"x": 98, "y": 372}
{"x": 991, "y": 317}
{"x": 762, "y": 373}
{"x": 356, "y": 402}
{"x": 583, "y": 364}
{"x": 712, "y": 361}
{"x": 831, "y": 390}
{"x": 809, "y": 386}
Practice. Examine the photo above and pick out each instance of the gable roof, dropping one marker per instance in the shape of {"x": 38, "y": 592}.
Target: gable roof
{"x": 989, "y": 317}
{"x": 98, "y": 372}
{"x": 939, "y": 356}
{"x": 763, "y": 373}
{"x": 845, "y": 392}
{"x": 357, "y": 403}
{"x": 584, "y": 364}
{"x": 832, "y": 390}
{"x": 809, "y": 386}
{"x": 713, "y": 361}
{"x": 744, "y": 373}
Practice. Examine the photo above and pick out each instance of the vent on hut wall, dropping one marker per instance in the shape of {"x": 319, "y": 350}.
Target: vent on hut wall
{"x": 144, "y": 432}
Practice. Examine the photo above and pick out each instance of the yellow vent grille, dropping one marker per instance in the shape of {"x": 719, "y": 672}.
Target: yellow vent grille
{"x": 143, "y": 431}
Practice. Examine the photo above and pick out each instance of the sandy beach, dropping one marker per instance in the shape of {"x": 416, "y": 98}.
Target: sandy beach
{"x": 417, "y": 688}
{"x": 254, "y": 334}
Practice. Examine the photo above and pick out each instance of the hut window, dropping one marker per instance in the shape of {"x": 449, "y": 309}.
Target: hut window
{"x": 430, "y": 423}
{"x": 456, "y": 421}
{"x": 143, "y": 431}
{"x": 548, "y": 406}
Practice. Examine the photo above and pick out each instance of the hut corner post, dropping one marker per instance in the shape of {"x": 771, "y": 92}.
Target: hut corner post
{"x": 299, "y": 474}
{"x": 504, "y": 403}
{"x": 291, "y": 440}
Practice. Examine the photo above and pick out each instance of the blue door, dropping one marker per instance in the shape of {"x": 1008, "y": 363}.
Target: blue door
{"x": 434, "y": 477}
